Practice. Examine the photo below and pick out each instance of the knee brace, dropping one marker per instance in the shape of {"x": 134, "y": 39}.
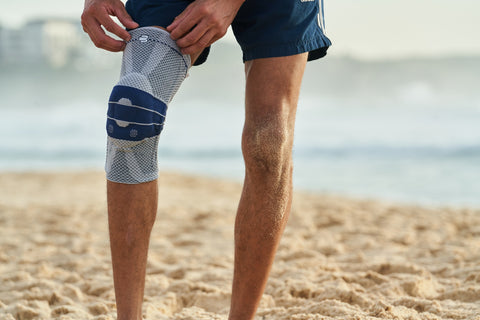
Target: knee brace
{"x": 152, "y": 70}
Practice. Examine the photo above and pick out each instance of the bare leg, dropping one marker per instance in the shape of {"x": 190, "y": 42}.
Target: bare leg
{"x": 131, "y": 215}
{"x": 272, "y": 89}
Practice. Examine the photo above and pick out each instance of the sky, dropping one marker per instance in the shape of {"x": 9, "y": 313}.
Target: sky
{"x": 366, "y": 29}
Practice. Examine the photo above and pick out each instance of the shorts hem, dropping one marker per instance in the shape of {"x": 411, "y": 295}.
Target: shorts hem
{"x": 317, "y": 48}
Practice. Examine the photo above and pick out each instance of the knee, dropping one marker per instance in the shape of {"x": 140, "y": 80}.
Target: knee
{"x": 152, "y": 71}
{"x": 266, "y": 147}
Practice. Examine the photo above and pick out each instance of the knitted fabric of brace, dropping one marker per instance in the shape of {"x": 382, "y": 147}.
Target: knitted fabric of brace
{"x": 153, "y": 69}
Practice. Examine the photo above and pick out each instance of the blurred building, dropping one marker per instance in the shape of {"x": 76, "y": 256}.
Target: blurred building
{"x": 54, "y": 42}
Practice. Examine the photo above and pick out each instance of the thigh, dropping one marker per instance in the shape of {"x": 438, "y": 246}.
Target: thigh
{"x": 272, "y": 91}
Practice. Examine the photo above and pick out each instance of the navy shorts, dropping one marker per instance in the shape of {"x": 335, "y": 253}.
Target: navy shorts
{"x": 263, "y": 28}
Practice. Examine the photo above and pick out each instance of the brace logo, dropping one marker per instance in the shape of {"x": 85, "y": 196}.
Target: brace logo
{"x": 143, "y": 38}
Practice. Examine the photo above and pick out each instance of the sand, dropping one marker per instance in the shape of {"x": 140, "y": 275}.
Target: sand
{"x": 339, "y": 258}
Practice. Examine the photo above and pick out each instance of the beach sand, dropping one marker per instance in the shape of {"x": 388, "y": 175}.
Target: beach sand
{"x": 339, "y": 258}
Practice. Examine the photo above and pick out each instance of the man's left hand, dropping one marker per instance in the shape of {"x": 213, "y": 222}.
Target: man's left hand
{"x": 202, "y": 23}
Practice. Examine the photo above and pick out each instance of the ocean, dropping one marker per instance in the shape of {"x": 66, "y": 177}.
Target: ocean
{"x": 404, "y": 130}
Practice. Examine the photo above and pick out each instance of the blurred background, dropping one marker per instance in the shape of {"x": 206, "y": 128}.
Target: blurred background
{"x": 392, "y": 112}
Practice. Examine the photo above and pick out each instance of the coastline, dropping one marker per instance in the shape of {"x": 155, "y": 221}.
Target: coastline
{"x": 340, "y": 258}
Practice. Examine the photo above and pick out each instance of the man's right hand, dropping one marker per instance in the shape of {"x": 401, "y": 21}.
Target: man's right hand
{"x": 97, "y": 14}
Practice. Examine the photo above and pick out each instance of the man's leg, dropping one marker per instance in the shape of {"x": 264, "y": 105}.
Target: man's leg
{"x": 132, "y": 210}
{"x": 131, "y": 214}
{"x": 272, "y": 90}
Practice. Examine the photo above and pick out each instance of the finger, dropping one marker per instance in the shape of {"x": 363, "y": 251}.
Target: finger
{"x": 193, "y": 36}
{"x": 178, "y": 19}
{"x": 206, "y": 40}
{"x": 125, "y": 18}
{"x": 101, "y": 40}
{"x": 185, "y": 24}
{"x": 113, "y": 27}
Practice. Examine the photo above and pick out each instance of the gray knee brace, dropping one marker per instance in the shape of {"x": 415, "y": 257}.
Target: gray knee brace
{"x": 152, "y": 70}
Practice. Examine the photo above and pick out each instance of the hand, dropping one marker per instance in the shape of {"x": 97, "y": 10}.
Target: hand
{"x": 97, "y": 14}
{"x": 202, "y": 23}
